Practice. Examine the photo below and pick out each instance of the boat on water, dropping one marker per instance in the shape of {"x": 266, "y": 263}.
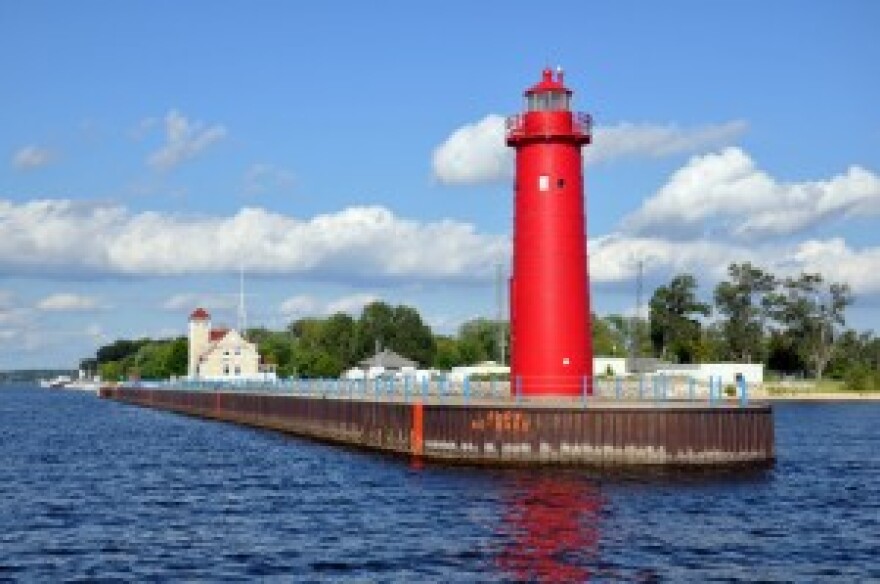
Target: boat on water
{"x": 58, "y": 382}
{"x": 82, "y": 383}
{"x": 92, "y": 385}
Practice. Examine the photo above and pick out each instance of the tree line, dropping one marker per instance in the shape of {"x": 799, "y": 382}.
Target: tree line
{"x": 318, "y": 347}
{"x": 794, "y": 325}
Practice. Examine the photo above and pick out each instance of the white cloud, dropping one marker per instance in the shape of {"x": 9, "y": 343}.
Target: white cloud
{"x": 183, "y": 140}
{"x": 477, "y": 153}
{"x": 68, "y": 302}
{"x": 189, "y": 301}
{"x": 263, "y": 178}
{"x": 614, "y": 259}
{"x": 308, "y": 305}
{"x": 356, "y": 243}
{"x": 656, "y": 141}
{"x": 300, "y": 305}
{"x": 352, "y": 304}
{"x": 474, "y": 153}
{"x": 837, "y": 262}
{"x": 727, "y": 192}
{"x": 31, "y": 157}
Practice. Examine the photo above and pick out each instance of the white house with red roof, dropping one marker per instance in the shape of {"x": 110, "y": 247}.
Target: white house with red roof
{"x": 222, "y": 354}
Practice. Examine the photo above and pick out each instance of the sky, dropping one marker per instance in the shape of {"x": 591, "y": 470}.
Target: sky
{"x": 343, "y": 152}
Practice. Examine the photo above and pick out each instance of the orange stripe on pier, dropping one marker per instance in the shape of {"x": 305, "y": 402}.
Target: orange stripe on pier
{"x": 417, "y": 434}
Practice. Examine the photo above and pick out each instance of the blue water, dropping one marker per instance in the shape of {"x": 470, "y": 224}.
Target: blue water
{"x": 92, "y": 489}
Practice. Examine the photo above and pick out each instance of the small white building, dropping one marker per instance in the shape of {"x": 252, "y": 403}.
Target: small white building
{"x": 730, "y": 373}
{"x": 221, "y": 354}
{"x": 485, "y": 368}
{"x": 609, "y": 366}
{"x": 387, "y": 364}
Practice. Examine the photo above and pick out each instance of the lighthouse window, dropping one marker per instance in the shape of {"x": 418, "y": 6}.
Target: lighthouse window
{"x": 560, "y": 183}
{"x": 538, "y": 102}
{"x": 548, "y": 101}
{"x": 543, "y": 183}
{"x": 562, "y": 101}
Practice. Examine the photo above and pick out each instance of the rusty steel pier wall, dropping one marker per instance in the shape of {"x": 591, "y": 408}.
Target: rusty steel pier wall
{"x": 496, "y": 432}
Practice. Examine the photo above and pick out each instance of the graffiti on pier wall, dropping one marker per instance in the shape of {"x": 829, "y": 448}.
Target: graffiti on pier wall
{"x": 502, "y": 421}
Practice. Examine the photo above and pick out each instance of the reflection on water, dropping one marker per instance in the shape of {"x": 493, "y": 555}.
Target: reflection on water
{"x": 552, "y": 525}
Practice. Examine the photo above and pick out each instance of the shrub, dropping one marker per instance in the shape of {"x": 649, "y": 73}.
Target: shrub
{"x": 861, "y": 378}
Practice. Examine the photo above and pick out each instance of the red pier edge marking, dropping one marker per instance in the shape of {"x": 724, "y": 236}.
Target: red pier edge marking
{"x": 417, "y": 434}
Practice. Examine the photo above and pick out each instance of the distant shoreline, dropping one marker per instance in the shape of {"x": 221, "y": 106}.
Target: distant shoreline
{"x": 848, "y": 397}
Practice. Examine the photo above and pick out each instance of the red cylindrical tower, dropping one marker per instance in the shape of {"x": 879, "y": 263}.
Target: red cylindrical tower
{"x": 551, "y": 346}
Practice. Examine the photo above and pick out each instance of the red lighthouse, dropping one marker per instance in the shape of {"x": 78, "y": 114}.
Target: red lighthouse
{"x": 551, "y": 345}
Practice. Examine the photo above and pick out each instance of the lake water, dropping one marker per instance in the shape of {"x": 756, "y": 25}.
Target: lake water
{"x": 92, "y": 489}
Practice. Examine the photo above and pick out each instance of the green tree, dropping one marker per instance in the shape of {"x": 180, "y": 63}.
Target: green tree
{"x": 111, "y": 371}
{"x": 675, "y": 330}
{"x": 811, "y": 312}
{"x": 375, "y": 328}
{"x": 609, "y": 336}
{"x": 744, "y": 301}
{"x": 478, "y": 340}
{"x": 411, "y": 337}
{"x": 339, "y": 339}
{"x": 177, "y": 359}
{"x": 119, "y": 350}
{"x": 784, "y": 354}
{"x": 276, "y": 348}
{"x": 446, "y": 355}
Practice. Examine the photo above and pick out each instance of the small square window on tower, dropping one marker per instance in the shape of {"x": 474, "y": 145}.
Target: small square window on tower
{"x": 543, "y": 183}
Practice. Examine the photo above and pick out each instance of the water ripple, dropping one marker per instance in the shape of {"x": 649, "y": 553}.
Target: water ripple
{"x": 94, "y": 490}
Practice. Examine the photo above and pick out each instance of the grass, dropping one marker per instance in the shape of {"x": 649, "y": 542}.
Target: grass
{"x": 807, "y": 387}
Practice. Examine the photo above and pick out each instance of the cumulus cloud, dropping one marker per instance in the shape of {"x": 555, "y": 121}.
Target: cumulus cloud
{"x": 474, "y": 153}
{"x": 31, "y": 157}
{"x": 615, "y": 258}
{"x": 726, "y": 191}
{"x": 308, "y": 305}
{"x": 657, "y": 141}
{"x": 477, "y": 153}
{"x": 838, "y": 262}
{"x": 183, "y": 140}
{"x": 67, "y": 302}
{"x": 357, "y": 243}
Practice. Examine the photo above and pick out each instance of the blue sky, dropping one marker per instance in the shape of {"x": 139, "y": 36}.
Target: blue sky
{"x": 346, "y": 151}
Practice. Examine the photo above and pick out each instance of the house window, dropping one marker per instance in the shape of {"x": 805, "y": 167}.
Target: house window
{"x": 238, "y": 350}
{"x": 226, "y": 370}
{"x": 238, "y": 369}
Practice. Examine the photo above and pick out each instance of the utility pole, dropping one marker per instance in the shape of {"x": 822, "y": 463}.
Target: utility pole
{"x": 242, "y": 314}
{"x": 636, "y": 332}
{"x": 499, "y": 303}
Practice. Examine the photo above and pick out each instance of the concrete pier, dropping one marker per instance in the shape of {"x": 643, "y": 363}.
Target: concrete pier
{"x": 486, "y": 431}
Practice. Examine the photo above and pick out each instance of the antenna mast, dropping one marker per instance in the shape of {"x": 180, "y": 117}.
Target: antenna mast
{"x": 499, "y": 322}
{"x": 242, "y": 314}
{"x": 637, "y": 322}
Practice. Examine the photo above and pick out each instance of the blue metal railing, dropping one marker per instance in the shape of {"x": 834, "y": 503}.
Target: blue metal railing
{"x": 647, "y": 389}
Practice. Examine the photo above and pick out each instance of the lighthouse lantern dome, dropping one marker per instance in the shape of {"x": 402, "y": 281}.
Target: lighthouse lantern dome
{"x": 549, "y": 94}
